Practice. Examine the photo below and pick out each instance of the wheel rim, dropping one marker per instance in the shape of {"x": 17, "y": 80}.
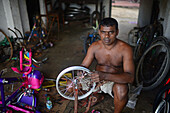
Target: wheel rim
{"x": 163, "y": 107}
{"x": 66, "y": 81}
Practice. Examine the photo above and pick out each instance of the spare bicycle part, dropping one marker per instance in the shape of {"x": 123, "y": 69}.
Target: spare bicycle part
{"x": 74, "y": 77}
{"x": 153, "y": 66}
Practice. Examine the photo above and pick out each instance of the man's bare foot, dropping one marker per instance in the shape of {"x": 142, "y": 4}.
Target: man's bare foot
{"x": 96, "y": 98}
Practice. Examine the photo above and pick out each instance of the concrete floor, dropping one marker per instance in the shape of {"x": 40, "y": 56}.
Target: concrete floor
{"x": 68, "y": 51}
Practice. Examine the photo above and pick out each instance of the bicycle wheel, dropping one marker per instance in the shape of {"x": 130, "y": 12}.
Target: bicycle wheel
{"x": 74, "y": 77}
{"x": 153, "y": 66}
{"x": 163, "y": 107}
{"x": 160, "y": 39}
{"x": 17, "y": 44}
{"x": 6, "y": 49}
{"x": 154, "y": 63}
{"x": 143, "y": 42}
{"x": 161, "y": 99}
{"x": 89, "y": 40}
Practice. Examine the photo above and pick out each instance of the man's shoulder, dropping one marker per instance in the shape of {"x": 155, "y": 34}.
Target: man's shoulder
{"x": 96, "y": 44}
{"x": 123, "y": 44}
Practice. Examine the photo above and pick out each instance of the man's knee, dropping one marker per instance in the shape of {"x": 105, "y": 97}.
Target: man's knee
{"x": 120, "y": 91}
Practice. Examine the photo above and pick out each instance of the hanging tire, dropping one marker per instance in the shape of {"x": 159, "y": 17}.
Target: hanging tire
{"x": 149, "y": 72}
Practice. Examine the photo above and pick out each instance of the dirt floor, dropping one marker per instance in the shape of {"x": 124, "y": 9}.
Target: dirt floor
{"x": 68, "y": 51}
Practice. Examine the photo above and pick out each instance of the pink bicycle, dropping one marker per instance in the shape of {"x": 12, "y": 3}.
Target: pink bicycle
{"x": 23, "y": 99}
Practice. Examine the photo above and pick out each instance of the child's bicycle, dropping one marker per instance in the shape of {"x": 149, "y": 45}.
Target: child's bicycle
{"x": 21, "y": 45}
{"x": 22, "y": 99}
{"x": 37, "y": 37}
{"x": 92, "y": 37}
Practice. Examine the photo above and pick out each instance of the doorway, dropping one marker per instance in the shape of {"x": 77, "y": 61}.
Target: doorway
{"x": 126, "y": 13}
{"x": 33, "y": 10}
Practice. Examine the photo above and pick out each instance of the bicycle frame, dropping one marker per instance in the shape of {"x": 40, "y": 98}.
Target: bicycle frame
{"x": 27, "y": 69}
{"x": 95, "y": 33}
{"x": 92, "y": 37}
{"x": 167, "y": 92}
{"x": 31, "y": 80}
{"x": 35, "y": 33}
{"x": 6, "y": 102}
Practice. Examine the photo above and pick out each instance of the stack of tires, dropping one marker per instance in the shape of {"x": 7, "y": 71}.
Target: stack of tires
{"x": 77, "y": 13}
{"x": 152, "y": 60}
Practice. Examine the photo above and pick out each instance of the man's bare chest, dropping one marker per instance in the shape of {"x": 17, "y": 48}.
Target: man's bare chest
{"x": 110, "y": 59}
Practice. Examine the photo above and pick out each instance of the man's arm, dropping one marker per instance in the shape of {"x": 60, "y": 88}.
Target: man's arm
{"x": 127, "y": 76}
{"x": 89, "y": 57}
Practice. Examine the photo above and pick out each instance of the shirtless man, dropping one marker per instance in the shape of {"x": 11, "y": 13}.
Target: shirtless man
{"x": 114, "y": 62}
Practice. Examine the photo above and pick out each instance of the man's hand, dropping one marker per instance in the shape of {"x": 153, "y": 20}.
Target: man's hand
{"x": 95, "y": 76}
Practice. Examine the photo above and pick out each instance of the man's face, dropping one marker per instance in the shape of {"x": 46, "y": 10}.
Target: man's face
{"x": 108, "y": 34}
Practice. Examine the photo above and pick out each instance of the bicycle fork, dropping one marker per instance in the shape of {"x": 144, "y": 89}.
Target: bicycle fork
{"x": 76, "y": 96}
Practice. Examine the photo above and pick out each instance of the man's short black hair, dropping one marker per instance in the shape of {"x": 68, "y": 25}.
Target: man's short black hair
{"x": 109, "y": 22}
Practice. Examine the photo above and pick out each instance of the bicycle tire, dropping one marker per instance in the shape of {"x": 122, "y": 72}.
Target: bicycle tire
{"x": 159, "y": 97}
{"x": 164, "y": 72}
{"x": 88, "y": 41}
{"x": 61, "y": 74}
{"x": 17, "y": 45}
{"x": 11, "y": 47}
{"x": 159, "y": 67}
{"x": 160, "y": 39}
{"x": 22, "y": 37}
{"x": 143, "y": 42}
{"x": 157, "y": 74}
{"x": 164, "y": 105}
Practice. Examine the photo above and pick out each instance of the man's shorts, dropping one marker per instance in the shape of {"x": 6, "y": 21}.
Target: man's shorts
{"x": 106, "y": 88}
